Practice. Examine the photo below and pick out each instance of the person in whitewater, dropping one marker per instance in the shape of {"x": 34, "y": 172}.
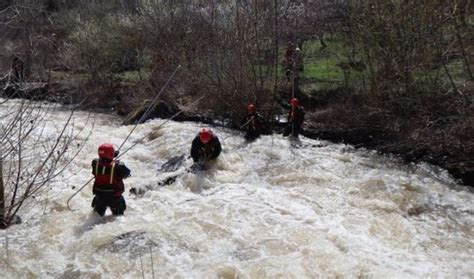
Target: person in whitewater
{"x": 205, "y": 147}
{"x": 295, "y": 118}
{"x": 252, "y": 123}
{"x": 108, "y": 181}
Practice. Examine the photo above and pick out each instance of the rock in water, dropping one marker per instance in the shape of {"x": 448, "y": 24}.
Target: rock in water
{"x": 173, "y": 164}
{"x": 134, "y": 243}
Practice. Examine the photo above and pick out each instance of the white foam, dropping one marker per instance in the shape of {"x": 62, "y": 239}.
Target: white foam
{"x": 266, "y": 209}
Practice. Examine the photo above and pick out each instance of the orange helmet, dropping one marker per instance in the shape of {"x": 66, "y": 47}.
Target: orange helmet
{"x": 205, "y": 135}
{"x": 295, "y": 102}
{"x": 251, "y": 107}
{"x": 106, "y": 151}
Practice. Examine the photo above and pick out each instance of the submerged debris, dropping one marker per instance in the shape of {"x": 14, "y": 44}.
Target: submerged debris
{"x": 134, "y": 243}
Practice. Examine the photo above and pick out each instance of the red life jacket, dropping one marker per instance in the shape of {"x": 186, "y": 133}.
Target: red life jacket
{"x": 105, "y": 176}
{"x": 292, "y": 114}
{"x": 296, "y": 114}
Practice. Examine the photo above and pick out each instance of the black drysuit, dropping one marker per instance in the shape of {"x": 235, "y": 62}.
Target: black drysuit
{"x": 295, "y": 121}
{"x": 253, "y": 124}
{"x": 202, "y": 152}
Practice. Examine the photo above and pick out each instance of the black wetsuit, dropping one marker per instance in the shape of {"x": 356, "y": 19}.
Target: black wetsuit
{"x": 202, "y": 152}
{"x": 253, "y": 124}
{"x": 295, "y": 121}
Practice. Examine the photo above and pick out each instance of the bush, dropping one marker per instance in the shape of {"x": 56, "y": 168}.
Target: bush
{"x": 103, "y": 49}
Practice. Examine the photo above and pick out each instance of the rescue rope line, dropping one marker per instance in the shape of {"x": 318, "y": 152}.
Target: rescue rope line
{"x": 292, "y": 97}
{"x": 129, "y": 134}
{"x": 77, "y": 192}
{"x": 128, "y": 149}
{"x": 246, "y": 123}
{"x": 145, "y": 114}
{"x": 152, "y": 263}
{"x": 240, "y": 128}
{"x": 159, "y": 126}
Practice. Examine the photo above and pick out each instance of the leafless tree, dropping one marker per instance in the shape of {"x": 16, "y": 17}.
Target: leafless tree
{"x": 34, "y": 150}
{"x": 398, "y": 40}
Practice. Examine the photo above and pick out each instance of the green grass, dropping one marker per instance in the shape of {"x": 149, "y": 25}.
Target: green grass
{"x": 458, "y": 72}
{"x": 324, "y": 69}
{"x": 68, "y": 77}
{"x": 456, "y": 69}
{"x": 321, "y": 70}
{"x": 135, "y": 77}
{"x": 129, "y": 77}
{"x": 321, "y": 63}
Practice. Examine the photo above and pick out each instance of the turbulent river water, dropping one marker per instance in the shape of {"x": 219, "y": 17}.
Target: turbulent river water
{"x": 269, "y": 209}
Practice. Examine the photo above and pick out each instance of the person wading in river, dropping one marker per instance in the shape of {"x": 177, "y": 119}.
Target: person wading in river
{"x": 252, "y": 123}
{"x": 108, "y": 181}
{"x": 295, "y": 118}
{"x": 205, "y": 147}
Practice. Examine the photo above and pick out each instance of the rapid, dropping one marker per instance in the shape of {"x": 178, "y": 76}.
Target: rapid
{"x": 272, "y": 208}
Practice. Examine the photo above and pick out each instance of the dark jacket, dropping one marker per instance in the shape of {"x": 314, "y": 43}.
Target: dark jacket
{"x": 253, "y": 124}
{"x": 294, "y": 59}
{"x": 109, "y": 175}
{"x": 295, "y": 121}
{"x": 204, "y": 152}
{"x": 296, "y": 115}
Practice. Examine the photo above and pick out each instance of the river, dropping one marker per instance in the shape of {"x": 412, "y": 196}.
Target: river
{"x": 269, "y": 209}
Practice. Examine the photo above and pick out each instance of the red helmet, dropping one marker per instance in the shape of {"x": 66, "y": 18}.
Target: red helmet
{"x": 106, "y": 151}
{"x": 251, "y": 107}
{"x": 205, "y": 135}
{"x": 295, "y": 102}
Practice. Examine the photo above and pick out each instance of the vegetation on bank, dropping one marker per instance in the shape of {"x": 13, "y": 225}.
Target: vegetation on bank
{"x": 396, "y": 76}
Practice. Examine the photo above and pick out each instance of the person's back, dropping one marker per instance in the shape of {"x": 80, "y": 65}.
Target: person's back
{"x": 109, "y": 175}
{"x": 108, "y": 181}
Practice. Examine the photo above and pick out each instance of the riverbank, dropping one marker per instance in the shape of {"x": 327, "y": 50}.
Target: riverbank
{"x": 432, "y": 128}
{"x": 415, "y": 131}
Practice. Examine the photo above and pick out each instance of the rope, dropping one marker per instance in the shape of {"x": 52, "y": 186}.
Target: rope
{"x": 150, "y": 106}
{"x": 129, "y": 134}
{"x": 159, "y": 126}
{"x": 292, "y": 97}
